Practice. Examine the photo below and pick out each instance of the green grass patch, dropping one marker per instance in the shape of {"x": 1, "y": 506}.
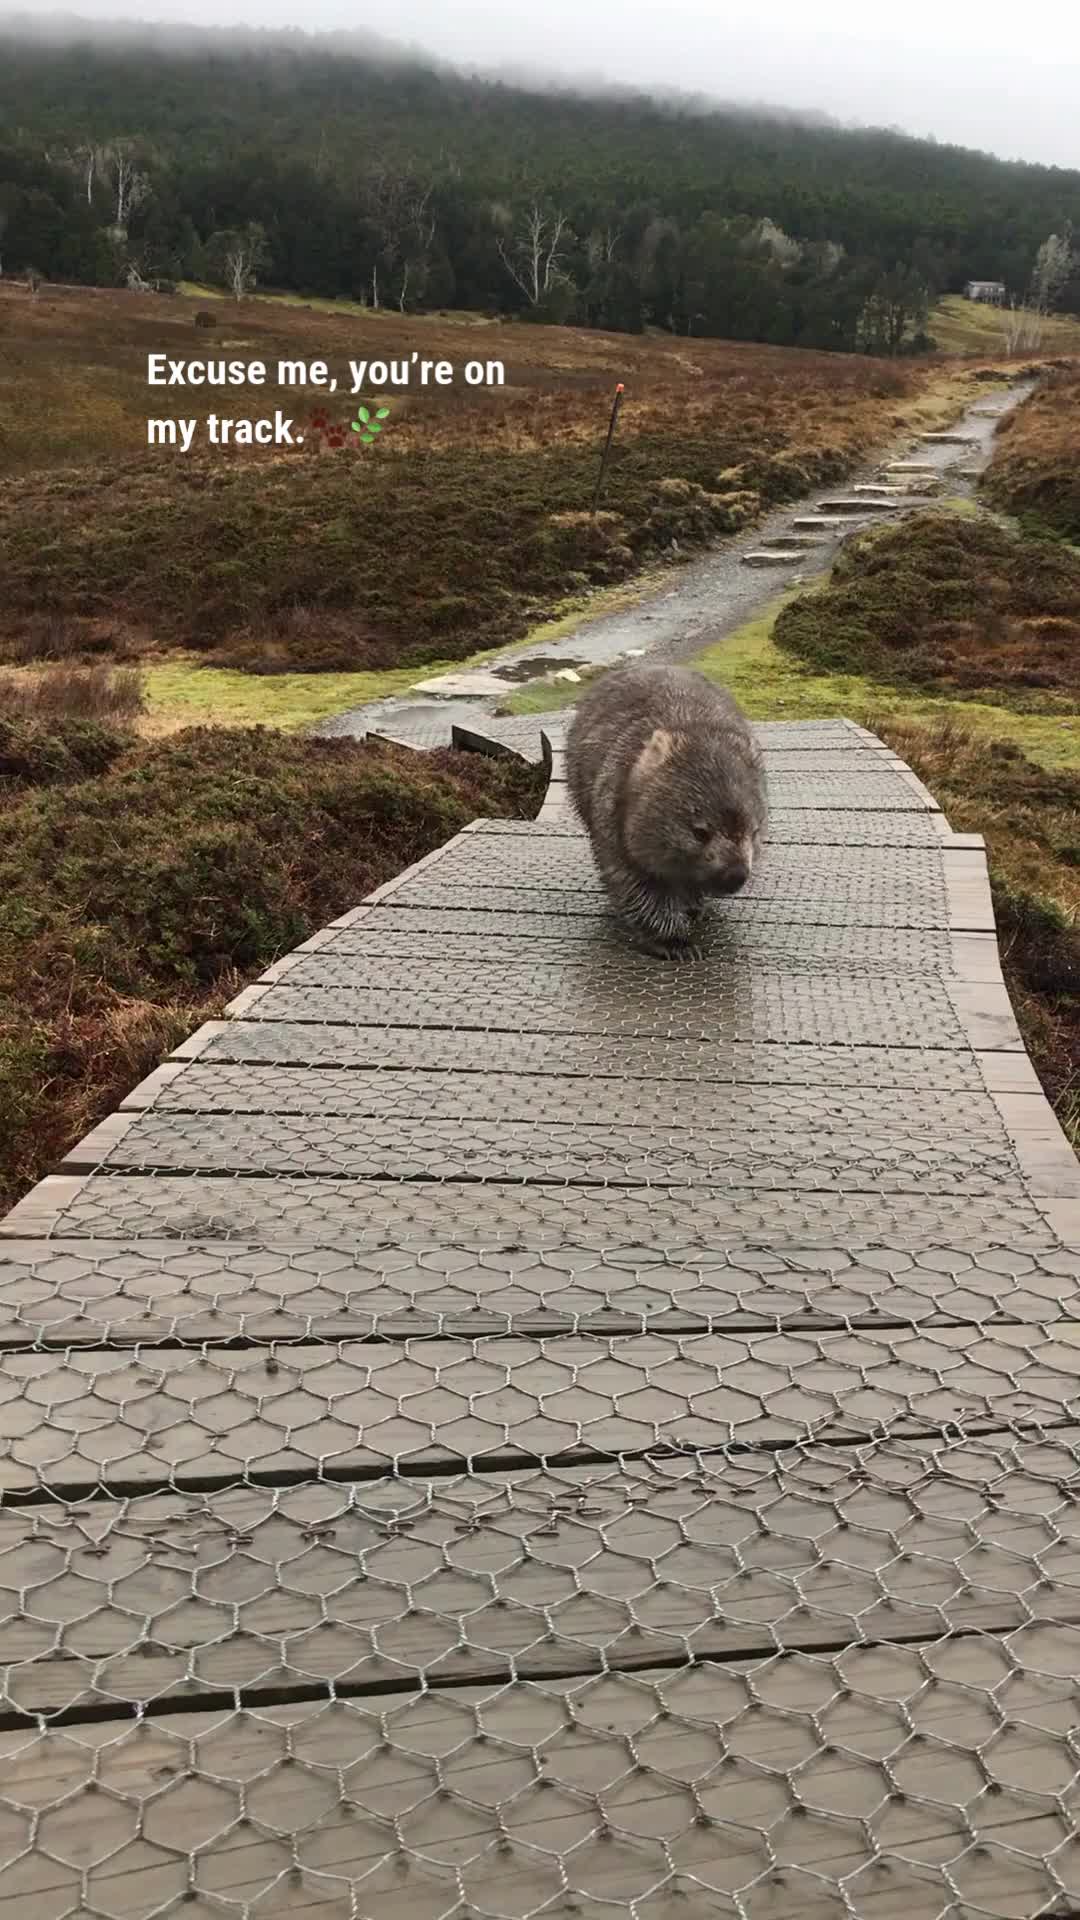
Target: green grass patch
{"x": 772, "y": 684}
{"x": 185, "y": 693}
{"x": 972, "y": 326}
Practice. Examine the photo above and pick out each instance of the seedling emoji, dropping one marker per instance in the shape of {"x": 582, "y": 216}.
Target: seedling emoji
{"x": 367, "y": 426}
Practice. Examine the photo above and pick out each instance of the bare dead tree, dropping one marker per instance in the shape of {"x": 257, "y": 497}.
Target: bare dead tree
{"x": 533, "y": 259}
{"x": 127, "y": 181}
{"x": 420, "y": 238}
{"x": 88, "y": 159}
{"x": 398, "y": 207}
{"x": 602, "y": 246}
{"x": 1055, "y": 261}
{"x": 85, "y": 162}
{"x": 244, "y": 256}
{"x": 1023, "y": 327}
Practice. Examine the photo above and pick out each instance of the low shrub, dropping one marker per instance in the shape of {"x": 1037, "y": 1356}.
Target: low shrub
{"x": 1035, "y": 469}
{"x": 142, "y": 883}
{"x": 945, "y": 601}
{"x": 1030, "y": 817}
{"x": 37, "y": 752}
{"x": 99, "y": 692}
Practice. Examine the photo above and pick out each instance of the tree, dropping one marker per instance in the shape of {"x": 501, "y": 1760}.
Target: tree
{"x": 1054, "y": 264}
{"x": 775, "y": 243}
{"x": 898, "y": 304}
{"x": 236, "y": 256}
{"x": 127, "y": 180}
{"x": 85, "y": 162}
{"x": 1056, "y": 261}
{"x": 532, "y": 255}
{"x": 398, "y": 207}
{"x": 659, "y": 270}
{"x": 609, "y": 297}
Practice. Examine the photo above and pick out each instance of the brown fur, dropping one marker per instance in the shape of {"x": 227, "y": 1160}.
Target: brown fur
{"x": 669, "y": 783}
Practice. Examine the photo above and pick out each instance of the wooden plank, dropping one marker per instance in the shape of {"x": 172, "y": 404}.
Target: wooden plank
{"x": 87, "y": 1417}
{"x": 398, "y": 1582}
{"x": 778, "y": 1782}
{"x": 97, "y": 1291}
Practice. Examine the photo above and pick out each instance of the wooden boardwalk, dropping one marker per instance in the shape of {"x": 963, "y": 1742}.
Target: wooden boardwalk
{"x": 501, "y": 1426}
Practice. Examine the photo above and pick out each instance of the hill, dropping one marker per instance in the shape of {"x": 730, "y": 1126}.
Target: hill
{"x": 356, "y": 170}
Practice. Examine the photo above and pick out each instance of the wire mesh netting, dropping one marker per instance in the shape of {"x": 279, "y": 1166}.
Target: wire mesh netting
{"x": 496, "y": 1431}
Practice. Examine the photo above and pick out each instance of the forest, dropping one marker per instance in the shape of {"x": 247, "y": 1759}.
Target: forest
{"x": 332, "y": 168}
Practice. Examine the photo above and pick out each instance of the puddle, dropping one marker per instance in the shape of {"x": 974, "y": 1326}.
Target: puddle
{"x": 533, "y": 665}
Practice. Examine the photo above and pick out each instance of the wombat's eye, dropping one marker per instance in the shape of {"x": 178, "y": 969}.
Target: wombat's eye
{"x": 700, "y": 833}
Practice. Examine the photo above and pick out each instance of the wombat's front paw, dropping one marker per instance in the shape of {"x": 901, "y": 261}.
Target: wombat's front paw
{"x": 675, "y": 942}
{"x": 684, "y": 950}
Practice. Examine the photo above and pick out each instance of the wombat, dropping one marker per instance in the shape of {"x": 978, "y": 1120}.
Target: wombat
{"x": 670, "y": 786}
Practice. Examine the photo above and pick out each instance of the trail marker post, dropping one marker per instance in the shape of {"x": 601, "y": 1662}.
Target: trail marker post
{"x": 607, "y": 444}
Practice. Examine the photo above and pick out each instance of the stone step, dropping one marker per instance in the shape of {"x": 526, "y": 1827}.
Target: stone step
{"x": 912, "y": 466}
{"x": 772, "y": 557}
{"x": 867, "y": 503}
{"x": 950, "y": 439}
{"x": 793, "y": 539}
{"x": 879, "y": 490}
{"x": 828, "y": 523}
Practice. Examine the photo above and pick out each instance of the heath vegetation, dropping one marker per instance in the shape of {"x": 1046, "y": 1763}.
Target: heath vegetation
{"x": 951, "y": 603}
{"x": 142, "y": 883}
{"x": 465, "y": 525}
{"x": 1035, "y": 471}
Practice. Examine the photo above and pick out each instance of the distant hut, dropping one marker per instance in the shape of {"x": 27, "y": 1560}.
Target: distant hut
{"x": 990, "y": 291}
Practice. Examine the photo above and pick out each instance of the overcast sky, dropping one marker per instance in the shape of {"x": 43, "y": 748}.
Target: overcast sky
{"x": 1004, "y": 77}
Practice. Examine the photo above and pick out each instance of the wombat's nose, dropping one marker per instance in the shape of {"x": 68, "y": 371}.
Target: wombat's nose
{"x": 730, "y": 878}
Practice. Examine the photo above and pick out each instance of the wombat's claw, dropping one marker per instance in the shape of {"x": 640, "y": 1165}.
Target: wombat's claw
{"x": 663, "y": 946}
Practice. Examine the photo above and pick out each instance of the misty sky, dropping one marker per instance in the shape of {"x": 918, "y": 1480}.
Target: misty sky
{"x": 1004, "y": 77}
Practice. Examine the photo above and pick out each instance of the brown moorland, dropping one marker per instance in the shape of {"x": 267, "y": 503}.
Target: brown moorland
{"x": 141, "y": 884}
{"x": 1031, "y": 821}
{"x": 948, "y": 603}
{"x": 1035, "y": 469}
{"x": 466, "y": 523}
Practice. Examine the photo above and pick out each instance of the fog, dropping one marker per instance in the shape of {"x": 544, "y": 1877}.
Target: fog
{"x": 1001, "y": 78}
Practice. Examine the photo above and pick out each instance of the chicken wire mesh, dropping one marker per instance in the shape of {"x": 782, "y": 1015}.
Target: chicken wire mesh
{"x": 815, "y": 1681}
{"x": 646, "y": 1488}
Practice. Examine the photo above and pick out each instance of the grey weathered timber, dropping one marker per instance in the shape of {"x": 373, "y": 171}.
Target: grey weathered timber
{"x": 502, "y": 1425}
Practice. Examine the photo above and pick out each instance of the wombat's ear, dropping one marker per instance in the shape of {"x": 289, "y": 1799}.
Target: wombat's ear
{"x": 656, "y": 751}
